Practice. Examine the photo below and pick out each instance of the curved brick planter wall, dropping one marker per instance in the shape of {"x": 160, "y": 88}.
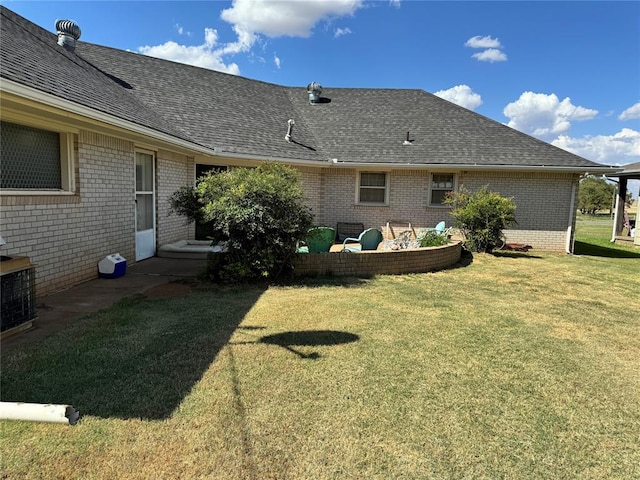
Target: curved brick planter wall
{"x": 419, "y": 260}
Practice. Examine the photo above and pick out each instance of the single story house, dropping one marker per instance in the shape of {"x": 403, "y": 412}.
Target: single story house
{"x": 95, "y": 140}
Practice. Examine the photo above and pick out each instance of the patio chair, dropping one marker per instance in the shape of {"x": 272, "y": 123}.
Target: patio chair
{"x": 367, "y": 240}
{"x": 320, "y": 239}
{"x": 440, "y": 229}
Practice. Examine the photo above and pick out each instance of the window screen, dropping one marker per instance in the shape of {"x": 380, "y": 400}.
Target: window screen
{"x": 373, "y": 187}
{"x": 30, "y": 157}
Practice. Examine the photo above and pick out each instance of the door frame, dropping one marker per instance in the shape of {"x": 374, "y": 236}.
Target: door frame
{"x": 143, "y": 252}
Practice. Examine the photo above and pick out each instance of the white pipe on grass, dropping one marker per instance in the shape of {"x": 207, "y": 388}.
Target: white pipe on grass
{"x": 38, "y": 412}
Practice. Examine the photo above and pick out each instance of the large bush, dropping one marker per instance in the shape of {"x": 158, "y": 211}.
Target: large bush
{"x": 258, "y": 212}
{"x": 481, "y": 216}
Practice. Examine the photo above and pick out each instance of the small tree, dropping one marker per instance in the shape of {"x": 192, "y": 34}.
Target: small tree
{"x": 258, "y": 212}
{"x": 481, "y": 216}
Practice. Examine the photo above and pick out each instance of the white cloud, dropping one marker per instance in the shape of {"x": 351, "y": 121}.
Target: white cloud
{"x": 250, "y": 19}
{"x": 243, "y": 44}
{"x": 205, "y": 55}
{"x": 275, "y": 18}
{"x": 545, "y": 116}
{"x": 631, "y": 113}
{"x": 181, "y": 31}
{"x": 490, "y": 55}
{"x": 483, "y": 42}
{"x": 395, "y": 3}
{"x": 461, "y": 95}
{"x": 342, "y": 31}
{"x": 276, "y": 61}
{"x": 618, "y": 149}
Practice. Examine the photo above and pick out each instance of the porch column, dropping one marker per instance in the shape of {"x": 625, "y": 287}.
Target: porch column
{"x": 618, "y": 217}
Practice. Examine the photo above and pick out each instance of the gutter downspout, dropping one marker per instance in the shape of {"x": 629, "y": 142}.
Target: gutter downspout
{"x": 572, "y": 213}
{"x": 614, "y": 230}
{"x": 621, "y": 193}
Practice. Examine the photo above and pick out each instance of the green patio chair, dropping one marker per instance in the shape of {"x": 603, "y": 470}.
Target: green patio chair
{"x": 320, "y": 239}
{"x": 368, "y": 240}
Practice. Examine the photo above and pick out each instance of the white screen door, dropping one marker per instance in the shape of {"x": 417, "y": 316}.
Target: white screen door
{"x": 145, "y": 206}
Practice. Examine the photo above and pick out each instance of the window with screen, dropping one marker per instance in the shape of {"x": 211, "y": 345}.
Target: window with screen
{"x": 372, "y": 188}
{"x": 33, "y": 158}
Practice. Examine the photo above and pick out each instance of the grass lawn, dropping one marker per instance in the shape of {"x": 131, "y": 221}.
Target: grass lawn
{"x": 511, "y": 366}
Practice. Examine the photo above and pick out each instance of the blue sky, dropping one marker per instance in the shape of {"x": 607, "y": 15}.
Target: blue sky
{"x": 565, "y": 72}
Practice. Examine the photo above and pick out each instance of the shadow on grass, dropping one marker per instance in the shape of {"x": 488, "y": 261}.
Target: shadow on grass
{"x": 593, "y": 250}
{"x": 312, "y": 338}
{"x": 511, "y": 254}
{"x": 304, "y": 338}
{"x": 137, "y": 359}
{"x": 325, "y": 281}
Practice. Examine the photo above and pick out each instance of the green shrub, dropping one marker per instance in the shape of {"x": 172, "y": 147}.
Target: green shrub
{"x": 431, "y": 239}
{"x": 481, "y": 216}
{"x": 258, "y": 212}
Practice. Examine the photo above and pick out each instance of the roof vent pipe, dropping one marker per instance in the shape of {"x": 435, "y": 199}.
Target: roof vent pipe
{"x": 290, "y": 123}
{"x": 68, "y": 34}
{"x": 314, "y": 89}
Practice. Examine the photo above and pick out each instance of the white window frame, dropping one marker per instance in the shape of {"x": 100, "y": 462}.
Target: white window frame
{"x": 386, "y": 188}
{"x": 454, "y": 187}
{"x": 67, "y": 163}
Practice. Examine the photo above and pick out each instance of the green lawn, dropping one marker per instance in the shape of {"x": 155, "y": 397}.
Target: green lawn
{"x": 510, "y": 366}
{"x": 594, "y": 238}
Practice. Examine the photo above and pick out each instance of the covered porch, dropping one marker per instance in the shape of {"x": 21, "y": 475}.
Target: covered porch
{"x": 624, "y": 221}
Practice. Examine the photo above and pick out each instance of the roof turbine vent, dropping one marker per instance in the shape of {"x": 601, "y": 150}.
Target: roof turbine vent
{"x": 68, "y": 33}
{"x": 314, "y": 89}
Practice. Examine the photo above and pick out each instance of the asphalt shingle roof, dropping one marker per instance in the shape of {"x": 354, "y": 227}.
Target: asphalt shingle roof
{"x": 30, "y": 55}
{"x": 249, "y": 117}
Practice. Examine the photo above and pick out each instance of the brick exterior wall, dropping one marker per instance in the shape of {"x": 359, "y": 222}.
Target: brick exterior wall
{"x": 542, "y": 204}
{"x": 66, "y": 235}
{"x": 367, "y": 263}
{"x": 311, "y": 179}
{"x": 542, "y": 200}
{"x": 408, "y": 200}
{"x": 172, "y": 172}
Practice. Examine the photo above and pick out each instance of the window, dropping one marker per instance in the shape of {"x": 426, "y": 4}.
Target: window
{"x": 441, "y": 184}
{"x": 35, "y": 159}
{"x": 372, "y": 188}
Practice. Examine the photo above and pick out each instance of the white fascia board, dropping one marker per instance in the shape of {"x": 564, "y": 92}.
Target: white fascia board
{"x": 621, "y": 173}
{"x": 474, "y": 167}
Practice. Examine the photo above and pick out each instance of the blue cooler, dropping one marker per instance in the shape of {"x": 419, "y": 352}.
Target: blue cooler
{"x": 112, "y": 266}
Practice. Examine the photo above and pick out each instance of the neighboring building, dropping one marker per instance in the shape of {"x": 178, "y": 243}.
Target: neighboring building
{"x": 94, "y": 140}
